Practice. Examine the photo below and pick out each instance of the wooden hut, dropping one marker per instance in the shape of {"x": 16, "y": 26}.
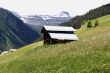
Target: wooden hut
{"x": 58, "y": 34}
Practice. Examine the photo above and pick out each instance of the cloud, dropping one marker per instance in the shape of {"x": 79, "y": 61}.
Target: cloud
{"x": 75, "y": 7}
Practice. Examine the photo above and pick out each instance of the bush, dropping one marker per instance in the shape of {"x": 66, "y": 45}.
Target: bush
{"x": 89, "y": 25}
{"x": 96, "y": 23}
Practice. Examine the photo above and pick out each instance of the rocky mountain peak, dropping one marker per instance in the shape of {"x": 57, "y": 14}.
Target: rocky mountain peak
{"x": 63, "y": 14}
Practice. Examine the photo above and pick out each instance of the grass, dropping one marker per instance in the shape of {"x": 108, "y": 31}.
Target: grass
{"x": 91, "y": 54}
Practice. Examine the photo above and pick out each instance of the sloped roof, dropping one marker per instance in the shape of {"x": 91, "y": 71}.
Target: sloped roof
{"x": 63, "y": 36}
{"x": 59, "y": 28}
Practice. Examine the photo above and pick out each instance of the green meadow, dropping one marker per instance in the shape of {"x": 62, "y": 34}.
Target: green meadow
{"x": 90, "y": 54}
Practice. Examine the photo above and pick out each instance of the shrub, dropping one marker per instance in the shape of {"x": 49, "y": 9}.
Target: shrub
{"x": 96, "y": 23}
{"x": 89, "y": 24}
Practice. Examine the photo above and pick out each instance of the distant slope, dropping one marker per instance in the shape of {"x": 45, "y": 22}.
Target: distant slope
{"x": 36, "y": 22}
{"x": 91, "y": 54}
{"x": 92, "y": 14}
{"x": 13, "y": 32}
{"x": 40, "y": 20}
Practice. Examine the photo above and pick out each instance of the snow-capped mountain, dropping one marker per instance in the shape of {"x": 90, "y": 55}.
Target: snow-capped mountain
{"x": 46, "y": 17}
{"x": 63, "y": 14}
{"x": 40, "y": 20}
{"x": 33, "y": 20}
{"x": 37, "y": 21}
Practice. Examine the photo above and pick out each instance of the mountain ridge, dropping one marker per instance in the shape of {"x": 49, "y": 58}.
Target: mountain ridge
{"x": 47, "y": 19}
{"x": 14, "y": 33}
{"x": 77, "y": 21}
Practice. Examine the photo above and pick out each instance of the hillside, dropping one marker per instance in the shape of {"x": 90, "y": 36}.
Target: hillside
{"x": 91, "y": 54}
{"x": 77, "y": 21}
{"x": 13, "y": 32}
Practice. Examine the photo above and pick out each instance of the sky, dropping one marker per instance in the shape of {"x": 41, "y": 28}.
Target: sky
{"x": 51, "y": 7}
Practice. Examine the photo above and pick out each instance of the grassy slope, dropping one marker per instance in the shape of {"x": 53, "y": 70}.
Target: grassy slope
{"x": 91, "y": 54}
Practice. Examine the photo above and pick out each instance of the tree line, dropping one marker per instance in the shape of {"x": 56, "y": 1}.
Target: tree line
{"x": 77, "y": 21}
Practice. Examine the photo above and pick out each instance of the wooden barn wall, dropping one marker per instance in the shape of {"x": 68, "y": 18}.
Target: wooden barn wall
{"x": 46, "y": 38}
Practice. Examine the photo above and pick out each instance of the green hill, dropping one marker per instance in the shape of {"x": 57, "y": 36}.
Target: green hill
{"x": 91, "y": 54}
{"x": 77, "y": 21}
{"x": 13, "y": 32}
